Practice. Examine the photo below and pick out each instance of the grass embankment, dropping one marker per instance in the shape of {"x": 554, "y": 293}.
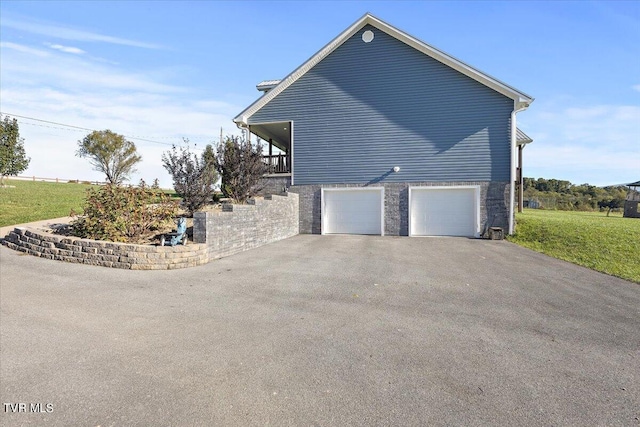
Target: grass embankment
{"x": 591, "y": 239}
{"x": 27, "y": 201}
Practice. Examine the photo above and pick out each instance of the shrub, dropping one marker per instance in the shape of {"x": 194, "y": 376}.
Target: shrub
{"x": 124, "y": 214}
{"x": 193, "y": 177}
{"x": 241, "y": 167}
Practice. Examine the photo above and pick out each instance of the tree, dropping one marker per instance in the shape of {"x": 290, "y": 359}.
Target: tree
{"x": 13, "y": 159}
{"x": 611, "y": 203}
{"x": 193, "y": 177}
{"x": 240, "y": 165}
{"x": 564, "y": 195}
{"x": 110, "y": 154}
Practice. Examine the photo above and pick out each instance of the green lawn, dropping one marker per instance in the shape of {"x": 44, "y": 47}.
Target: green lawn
{"x": 33, "y": 201}
{"x": 591, "y": 239}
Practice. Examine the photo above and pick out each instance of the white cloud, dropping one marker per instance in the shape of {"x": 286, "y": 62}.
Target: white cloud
{"x": 24, "y": 49}
{"x": 598, "y": 144}
{"x": 57, "y": 31}
{"x": 74, "y": 73}
{"x": 636, "y": 87}
{"x": 75, "y": 90}
{"x": 66, "y": 49}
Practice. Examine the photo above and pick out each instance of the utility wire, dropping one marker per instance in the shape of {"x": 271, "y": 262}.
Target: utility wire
{"x": 79, "y": 128}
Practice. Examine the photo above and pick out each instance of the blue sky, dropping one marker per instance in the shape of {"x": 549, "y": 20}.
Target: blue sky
{"x": 158, "y": 72}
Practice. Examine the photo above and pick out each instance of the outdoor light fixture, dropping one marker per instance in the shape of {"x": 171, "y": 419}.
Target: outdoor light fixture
{"x": 396, "y": 168}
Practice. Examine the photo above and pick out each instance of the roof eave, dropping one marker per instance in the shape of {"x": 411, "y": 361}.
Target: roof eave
{"x": 301, "y": 70}
{"x": 522, "y": 99}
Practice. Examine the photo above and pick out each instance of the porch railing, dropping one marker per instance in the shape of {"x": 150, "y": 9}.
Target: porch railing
{"x": 277, "y": 163}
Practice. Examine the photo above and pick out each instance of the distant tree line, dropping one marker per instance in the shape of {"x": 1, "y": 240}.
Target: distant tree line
{"x": 568, "y": 196}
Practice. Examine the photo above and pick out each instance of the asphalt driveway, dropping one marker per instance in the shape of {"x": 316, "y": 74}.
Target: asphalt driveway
{"x": 322, "y": 330}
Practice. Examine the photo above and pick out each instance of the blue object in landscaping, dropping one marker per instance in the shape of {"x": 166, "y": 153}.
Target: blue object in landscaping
{"x": 180, "y": 236}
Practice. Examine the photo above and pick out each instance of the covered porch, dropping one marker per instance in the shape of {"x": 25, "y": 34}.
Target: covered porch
{"x": 278, "y": 137}
{"x": 522, "y": 139}
{"x": 632, "y": 201}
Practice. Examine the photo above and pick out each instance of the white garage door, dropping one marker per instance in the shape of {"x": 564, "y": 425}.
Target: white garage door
{"x": 444, "y": 211}
{"x": 352, "y": 211}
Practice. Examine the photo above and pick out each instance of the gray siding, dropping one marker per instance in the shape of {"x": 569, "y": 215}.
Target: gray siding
{"x": 368, "y": 107}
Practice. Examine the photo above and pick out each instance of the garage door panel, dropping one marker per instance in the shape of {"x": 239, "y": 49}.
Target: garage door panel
{"x": 443, "y": 212}
{"x": 352, "y": 211}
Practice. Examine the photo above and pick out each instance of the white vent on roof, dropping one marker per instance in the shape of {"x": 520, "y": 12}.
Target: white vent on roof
{"x": 367, "y": 36}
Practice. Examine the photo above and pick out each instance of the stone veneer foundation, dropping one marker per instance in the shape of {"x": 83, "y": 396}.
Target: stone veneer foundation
{"x": 494, "y": 204}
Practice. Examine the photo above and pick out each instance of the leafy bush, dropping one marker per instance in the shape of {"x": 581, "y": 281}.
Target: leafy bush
{"x": 241, "y": 167}
{"x": 125, "y": 214}
{"x": 193, "y": 177}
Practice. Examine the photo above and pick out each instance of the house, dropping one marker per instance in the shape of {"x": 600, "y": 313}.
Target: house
{"x": 381, "y": 133}
{"x": 632, "y": 201}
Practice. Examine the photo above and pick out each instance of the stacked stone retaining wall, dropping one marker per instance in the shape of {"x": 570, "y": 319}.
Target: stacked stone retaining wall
{"x": 217, "y": 234}
{"x": 106, "y": 254}
{"x": 241, "y": 227}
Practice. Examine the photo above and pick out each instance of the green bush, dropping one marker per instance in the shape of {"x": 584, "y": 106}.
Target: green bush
{"x": 125, "y": 214}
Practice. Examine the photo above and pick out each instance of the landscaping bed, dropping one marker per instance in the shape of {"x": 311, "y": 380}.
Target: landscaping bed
{"x": 43, "y": 244}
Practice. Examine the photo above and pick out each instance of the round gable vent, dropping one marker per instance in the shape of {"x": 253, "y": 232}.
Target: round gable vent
{"x": 367, "y": 36}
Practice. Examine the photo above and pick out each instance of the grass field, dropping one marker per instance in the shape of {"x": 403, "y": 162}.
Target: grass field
{"x": 591, "y": 239}
{"x": 32, "y": 201}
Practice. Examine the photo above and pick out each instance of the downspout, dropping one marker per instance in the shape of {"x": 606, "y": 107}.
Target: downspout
{"x": 512, "y": 193}
{"x": 243, "y": 127}
{"x": 520, "y": 178}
